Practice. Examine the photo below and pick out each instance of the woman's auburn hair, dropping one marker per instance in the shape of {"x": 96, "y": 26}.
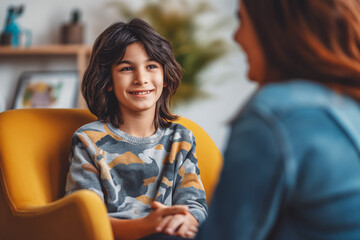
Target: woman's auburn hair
{"x": 312, "y": 39}
{"x": 109, "y": 48}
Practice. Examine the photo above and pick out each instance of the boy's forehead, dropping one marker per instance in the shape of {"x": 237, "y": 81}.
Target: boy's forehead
{"x": 134, "y": 52}
{"x": 135, "y": 49}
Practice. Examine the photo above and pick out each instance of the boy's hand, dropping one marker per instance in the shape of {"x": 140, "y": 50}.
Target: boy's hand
{"x": 166, "y": 210}
{"x": 159, "y": 213}
{"x": 179, "y": 224}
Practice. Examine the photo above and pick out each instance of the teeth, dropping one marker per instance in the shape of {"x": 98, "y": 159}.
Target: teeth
{"x": 140, "y": 93}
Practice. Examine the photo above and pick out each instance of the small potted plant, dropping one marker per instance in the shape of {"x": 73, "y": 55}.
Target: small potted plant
{"x": 73, "y": 32}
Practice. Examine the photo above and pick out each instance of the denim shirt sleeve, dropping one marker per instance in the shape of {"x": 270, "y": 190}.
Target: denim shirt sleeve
{"x": 252, "y": 183}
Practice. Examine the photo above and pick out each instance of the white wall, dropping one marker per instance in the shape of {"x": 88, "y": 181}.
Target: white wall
{"x": 225, "y": 80}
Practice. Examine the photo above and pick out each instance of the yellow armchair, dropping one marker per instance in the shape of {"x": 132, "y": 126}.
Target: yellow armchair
{"x": 34, "y": 150}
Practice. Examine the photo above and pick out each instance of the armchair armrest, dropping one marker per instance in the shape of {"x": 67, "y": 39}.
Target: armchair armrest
{"x": 81, "y": 215}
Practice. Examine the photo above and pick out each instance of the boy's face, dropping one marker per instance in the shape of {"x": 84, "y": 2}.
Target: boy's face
{"x": 138, "y": 81}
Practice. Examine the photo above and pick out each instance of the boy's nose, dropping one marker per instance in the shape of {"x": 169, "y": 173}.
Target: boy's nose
{"x": 141, "y": 77}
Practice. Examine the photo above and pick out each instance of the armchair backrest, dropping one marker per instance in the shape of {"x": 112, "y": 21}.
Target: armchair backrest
{"x": 35, "y": 146}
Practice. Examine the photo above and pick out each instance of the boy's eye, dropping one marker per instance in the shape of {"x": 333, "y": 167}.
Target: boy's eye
{"x": 152, "y": 66}
{"x": 126, "y": 69}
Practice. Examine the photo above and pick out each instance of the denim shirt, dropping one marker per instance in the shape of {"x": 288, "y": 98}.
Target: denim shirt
{"x": 291, "y": 168}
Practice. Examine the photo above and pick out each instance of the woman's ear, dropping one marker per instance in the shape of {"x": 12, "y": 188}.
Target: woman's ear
{"x": 110, "y": 88}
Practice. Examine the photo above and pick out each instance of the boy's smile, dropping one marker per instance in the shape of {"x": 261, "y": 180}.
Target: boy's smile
{"x": 141, "y": 93}
{"x": 137, "y": 80}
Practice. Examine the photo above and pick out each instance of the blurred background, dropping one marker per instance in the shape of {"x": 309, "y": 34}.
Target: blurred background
{"x": 60, "y": 34}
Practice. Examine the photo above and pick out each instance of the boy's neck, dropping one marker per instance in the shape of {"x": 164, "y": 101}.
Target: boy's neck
{"x": 138, "y": 125}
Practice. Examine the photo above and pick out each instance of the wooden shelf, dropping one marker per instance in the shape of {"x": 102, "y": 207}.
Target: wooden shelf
{"x": 81, "y": 52}
{"x": 46, "y": 50}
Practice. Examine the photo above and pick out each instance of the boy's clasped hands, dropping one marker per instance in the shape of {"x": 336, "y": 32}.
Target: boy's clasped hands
{"x": 173, "y": 220}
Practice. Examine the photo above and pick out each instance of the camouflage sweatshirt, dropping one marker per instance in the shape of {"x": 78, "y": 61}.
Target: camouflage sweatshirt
{"x": 129, "y": 172}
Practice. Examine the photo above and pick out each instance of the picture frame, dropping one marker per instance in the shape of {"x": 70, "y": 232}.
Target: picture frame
{"x": 47, "y": 89}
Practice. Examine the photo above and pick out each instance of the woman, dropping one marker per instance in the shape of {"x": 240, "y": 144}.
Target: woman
{"x": 292, "y": 165}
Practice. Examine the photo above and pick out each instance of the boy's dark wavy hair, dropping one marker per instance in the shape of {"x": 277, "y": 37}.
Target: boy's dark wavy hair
{"x": 109, "y": 48}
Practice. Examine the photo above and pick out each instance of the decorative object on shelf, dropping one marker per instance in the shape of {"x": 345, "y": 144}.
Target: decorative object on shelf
{"x": 12, "y": 34}
{"x": 73, "y": 32}
{"x": 47, "y": 89}
{"x": 176, "y": 21}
